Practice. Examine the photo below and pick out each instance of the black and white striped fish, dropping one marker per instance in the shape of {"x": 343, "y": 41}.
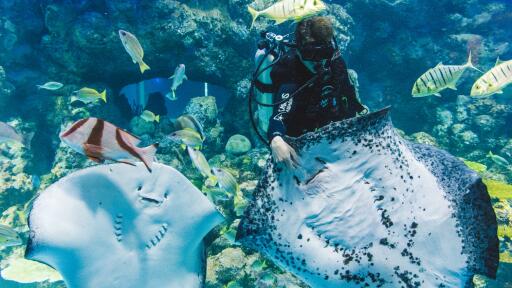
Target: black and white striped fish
{"x": 494, "y": 80}
{"x": 439, "y": 78}
{"x": 100, "y": 140}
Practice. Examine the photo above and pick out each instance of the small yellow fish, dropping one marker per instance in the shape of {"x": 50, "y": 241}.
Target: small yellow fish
{"x": 187, "y": 138}
{"x": 88, "y": 95}
{"x": 289, "y": 10}
{"x": 133, "y": 47}
{"x": 149, "y": 116}
{"x": 201, "y": 164}
{"x": 189, "y": 121}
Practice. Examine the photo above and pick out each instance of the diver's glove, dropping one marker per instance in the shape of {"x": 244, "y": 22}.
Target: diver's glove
{"x": 284, "y": 153}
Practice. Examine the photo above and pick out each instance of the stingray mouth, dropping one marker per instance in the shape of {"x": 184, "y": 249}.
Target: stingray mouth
{"x": 149, "y": 200}
{"x": 155, "y": 240}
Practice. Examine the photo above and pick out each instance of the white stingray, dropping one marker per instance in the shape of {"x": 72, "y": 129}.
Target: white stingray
{"x": 369, "y": 209}
{"x": 120, "y": 226}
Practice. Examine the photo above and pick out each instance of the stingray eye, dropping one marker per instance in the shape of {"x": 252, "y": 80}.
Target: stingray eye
{"x": 139, "y": 187}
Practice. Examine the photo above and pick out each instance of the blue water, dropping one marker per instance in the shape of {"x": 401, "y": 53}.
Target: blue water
{"x": 389, "y": 44}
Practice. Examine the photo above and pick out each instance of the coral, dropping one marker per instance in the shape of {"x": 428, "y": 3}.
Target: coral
{"x": 139, "y": 126}
{"x": 424, "y": 138}
{"x": 238, "y": 144}
{"x": 204, "y": 109}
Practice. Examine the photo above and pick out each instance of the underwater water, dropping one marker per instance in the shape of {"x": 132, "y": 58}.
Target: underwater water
{"x": 111, "y": 62}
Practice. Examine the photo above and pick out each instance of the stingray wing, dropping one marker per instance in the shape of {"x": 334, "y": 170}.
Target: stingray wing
{"x": 119, "y": 226}
{"x": 369, "y": 208}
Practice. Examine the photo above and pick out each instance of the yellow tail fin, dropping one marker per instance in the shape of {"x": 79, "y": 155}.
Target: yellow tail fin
{"x": 254, "y": 14}
{"x": 143, "y": 66}
{"x": 157, "y": 118}
{"x": 104, "y": 95}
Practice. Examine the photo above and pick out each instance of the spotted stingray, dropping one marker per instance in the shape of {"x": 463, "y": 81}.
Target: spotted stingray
{"x": 118, "y": 226}
{"x": 370, "y": 209}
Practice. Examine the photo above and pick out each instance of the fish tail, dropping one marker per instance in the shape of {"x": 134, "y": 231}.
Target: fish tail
{"x": 104, "y": 95}
{"x": 254, "y": 15}
{"x": 147, "y": 154}
{"x": 143, "y": 66}
{"x": 157, "y": 118}
{"x": 27, "y": 139}
{"x": 470, "y": 63}
{"x": 211, "y": 180}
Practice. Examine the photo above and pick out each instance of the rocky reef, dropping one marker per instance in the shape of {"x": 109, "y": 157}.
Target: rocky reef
{"x": 389, "y": 44}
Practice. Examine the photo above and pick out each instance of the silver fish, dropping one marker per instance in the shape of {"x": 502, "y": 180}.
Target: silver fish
{"x": 9, "y": 134}
{"x": 494, "y": 80}
{"x": 177, "y": 80}
{"x": 439, "y": 78}
{"x": 132, "y": 46}
{"x": 226, "y": 180}
{"x": 51, "y": 86}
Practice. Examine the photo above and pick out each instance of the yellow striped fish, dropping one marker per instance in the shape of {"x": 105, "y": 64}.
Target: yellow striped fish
{"x": 285, "y": 10}
{"x": 494, "y": 81}
{"x": 439, "y": 78}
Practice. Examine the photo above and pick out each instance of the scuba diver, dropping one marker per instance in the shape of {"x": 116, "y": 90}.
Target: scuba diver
{"x": 309, "y": 84}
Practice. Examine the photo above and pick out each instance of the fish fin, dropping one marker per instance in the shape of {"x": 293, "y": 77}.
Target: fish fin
{"x": 499, "y": 92}
{"x": 97, "y": 160}
{"x": 498, "y": 61}
{"x": 172, "y": 76}
{"x": 147, "y": 154}
{"x": 143, "y": 66}
{"x": 41, "y": 86}
{"x": 93, "y": 150}
{"x": 183, "y": 146}
{"x": 126, "y": 161}
{"x": 254, "y": 15}
{"x": 73, "y": 99}
{"x": 211, "y": 181}
{"x": 451, "y": 86}
{"x": 173, "y": 95}
{"x": 104, "y": 95}
{"x": 157, "y": 118}
{"x": 470, "y": 63}
{"x": 27, "y": 139}
{"x": 437, "y": 94}
{"x": 439, "y": 64}
{"x": 279, "y": 21}
{"x": 185, "y": 77}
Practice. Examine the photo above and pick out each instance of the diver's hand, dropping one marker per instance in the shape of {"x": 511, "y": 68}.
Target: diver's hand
{"x": 284, "y": 153}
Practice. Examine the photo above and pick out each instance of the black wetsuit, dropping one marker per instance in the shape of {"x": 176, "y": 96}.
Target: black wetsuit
{"x": 330, "y": 99}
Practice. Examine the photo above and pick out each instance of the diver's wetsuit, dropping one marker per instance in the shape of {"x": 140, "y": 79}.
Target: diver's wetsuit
{"x": 326, "y": 101}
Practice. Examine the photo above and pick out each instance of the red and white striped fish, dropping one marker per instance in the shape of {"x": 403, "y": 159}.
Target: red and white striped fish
{"x": 100, "y": 140}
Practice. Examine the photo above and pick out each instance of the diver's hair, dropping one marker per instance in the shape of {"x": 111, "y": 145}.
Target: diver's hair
{"x": 317, "y": 29}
